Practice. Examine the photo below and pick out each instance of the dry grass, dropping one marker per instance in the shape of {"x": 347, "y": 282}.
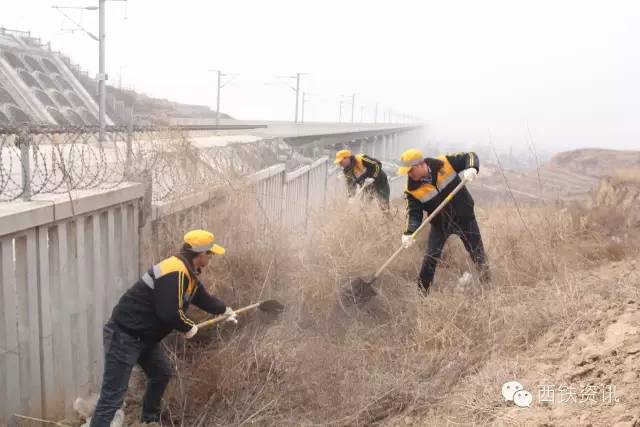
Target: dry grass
{"x": 401, "y": 355}
{"x": 630, "y": 175}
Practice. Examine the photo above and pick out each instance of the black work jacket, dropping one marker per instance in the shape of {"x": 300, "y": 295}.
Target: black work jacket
{"x": 156, "y": 304}
{"x": 428, "y": 193}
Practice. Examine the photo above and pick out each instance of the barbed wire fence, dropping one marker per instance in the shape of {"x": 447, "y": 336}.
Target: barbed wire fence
{"x": 36, "y": 160}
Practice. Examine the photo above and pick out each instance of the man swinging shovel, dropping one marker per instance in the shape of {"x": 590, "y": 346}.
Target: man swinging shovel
{"x": 430, "y": 181}
{"x": 153, "y": 307}
{"x": 435, "y": 185}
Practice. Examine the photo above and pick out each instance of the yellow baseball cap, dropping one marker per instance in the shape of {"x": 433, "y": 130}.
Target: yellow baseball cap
{"x": 202, "y": 241}
{"x": 341, "y": 155}
{"x": 409, "y": 159}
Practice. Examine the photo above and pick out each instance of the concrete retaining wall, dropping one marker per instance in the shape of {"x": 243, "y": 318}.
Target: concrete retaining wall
{"x": 63, "y": 264}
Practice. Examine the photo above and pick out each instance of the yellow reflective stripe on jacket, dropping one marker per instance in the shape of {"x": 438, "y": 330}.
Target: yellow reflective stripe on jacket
{"x": 358, "y": 167}
{"x": 424, "y": 193}
{"x": 183, "y": 317}
{"x": 171, "y": 265}
{"x": 446, "y": 175}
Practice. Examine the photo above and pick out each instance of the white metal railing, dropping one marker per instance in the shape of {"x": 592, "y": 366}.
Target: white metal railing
{"x": 289, "y": 198}
{"x": 283, "y": 199}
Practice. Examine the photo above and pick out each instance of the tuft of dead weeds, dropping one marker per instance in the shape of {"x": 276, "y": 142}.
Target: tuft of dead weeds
{"x": 401, "y": 355}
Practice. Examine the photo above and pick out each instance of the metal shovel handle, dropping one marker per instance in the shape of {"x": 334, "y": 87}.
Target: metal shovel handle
{"x": 422, "y": 226}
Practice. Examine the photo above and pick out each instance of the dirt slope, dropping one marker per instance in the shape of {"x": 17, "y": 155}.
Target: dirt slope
{"x": 596, "y": 162}
{"x": 580, "y": 373}
{"x": 588, "y": 377}
{"x": 570, "y": 175}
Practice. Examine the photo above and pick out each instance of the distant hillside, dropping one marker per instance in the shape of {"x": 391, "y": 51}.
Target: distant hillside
{"x": 568, "y": 175}
{"x": 595, "y": 161}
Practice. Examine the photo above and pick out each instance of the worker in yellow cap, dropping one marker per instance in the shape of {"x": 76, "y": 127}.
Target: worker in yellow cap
{"x": 153, "y": 307}
{"x": 429, "y": 182}
{"x": 365, "y": 173}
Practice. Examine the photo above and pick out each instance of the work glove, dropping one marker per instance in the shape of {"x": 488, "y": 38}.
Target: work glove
{"x": 469, "y": 174}
{"x": 368, "y": 181}
{"x": 407, "y": 241}
{"x": 192, "y": 332}
{"x": 231, "y": 316}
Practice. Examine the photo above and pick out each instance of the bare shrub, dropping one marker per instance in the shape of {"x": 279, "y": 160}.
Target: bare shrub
{"x": 401, "y": 354}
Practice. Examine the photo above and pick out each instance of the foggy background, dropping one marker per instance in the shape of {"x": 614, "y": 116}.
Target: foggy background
{"x": 566, "y": 69}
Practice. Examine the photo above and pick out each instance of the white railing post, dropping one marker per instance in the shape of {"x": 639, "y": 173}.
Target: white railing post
{"x": 50, "y": 273}
{"x": 49, "y": 398}
{"x": 306, "y": 202}
{"x": 9, "y": 362}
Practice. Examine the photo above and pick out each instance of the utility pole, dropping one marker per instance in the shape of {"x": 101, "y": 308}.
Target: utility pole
{"x": 340, "y": 113}
{"x": 353, "y": 106}
{"x": 102, "y": 76}
{"x": 120, "y": 79}
{"x": 102, "y": 73}
{"x": 218, "y": 99}
{"x": 375, "y": 115}
{"x": 297, "y": 95}
{"x": 304, "y": 101}
{"x": 219, "y": 86}
{"x": 295, "y": 89}
{"x": 297, "y": 77}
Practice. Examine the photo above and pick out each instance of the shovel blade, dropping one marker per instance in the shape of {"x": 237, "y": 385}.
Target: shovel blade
{"x": 271, "y": 306}
{"x": 358, "y": 292}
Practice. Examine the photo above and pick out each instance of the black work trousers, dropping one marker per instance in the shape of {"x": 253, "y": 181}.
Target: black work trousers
{"x": 469, "y": 232}
{"x": 122, "y": 352}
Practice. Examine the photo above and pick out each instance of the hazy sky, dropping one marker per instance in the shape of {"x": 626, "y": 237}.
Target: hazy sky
{"x": 570, "y": 69}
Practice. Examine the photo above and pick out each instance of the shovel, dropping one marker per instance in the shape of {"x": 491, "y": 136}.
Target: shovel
{"x": 359, "y": 193}
{"x": 269, "y": 306}
{"x": 359, "y": 291}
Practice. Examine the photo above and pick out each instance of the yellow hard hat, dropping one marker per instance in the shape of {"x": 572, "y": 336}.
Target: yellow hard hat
{"x": 202, "y": 241}
{"x": 341, "y": 155}
{"x": 409, "y": 159}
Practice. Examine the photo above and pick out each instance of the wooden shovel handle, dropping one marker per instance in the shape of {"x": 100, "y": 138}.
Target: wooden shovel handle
{"x": 422, "y": 226}
{"x": 360, "y": 191}
{"x": 220, "y": 318}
